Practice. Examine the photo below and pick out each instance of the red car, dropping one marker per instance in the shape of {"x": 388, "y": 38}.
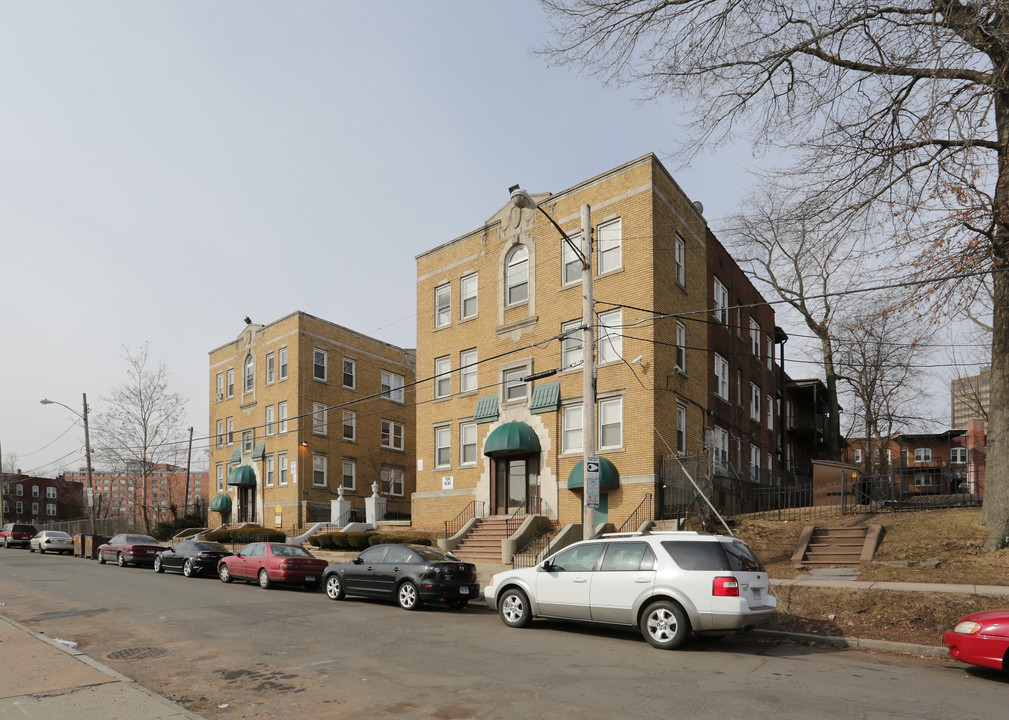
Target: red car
{"x": 268, "y": 563}
{"x": 981, "y": 638}
{"x": 17, "y": 534}
{"x": 128, "y": 549}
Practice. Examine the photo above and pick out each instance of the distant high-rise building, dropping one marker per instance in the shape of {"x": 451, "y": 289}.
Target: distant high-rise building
{"x": 969, "y": 398}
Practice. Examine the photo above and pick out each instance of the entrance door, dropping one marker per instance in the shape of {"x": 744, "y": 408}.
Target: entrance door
{"x": 246, "y": 503}
{"x": 516, "y": 483}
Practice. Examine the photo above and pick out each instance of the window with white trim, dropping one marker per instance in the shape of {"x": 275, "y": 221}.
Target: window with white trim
{"x": 721, "y": 308}
{"x": 282, "y": 417}
{"x": 19, "y": 490}
{"x": 35, "y": 490}
{"x": 770, "y": 354}
{"x": 468, "y": 297}
{"x": 282, "y": 363}
{"x": 392, "y": 481}
{"x": 443, "y": 446}
{"x": 269, "y": 420}
{"x": 754, "y": 402}
{"x": 51, "y": 492}
{"x": 611, "y": 429}
{"x": 247, "y": 440}
{"x": 467, "y": 444}
{"x": 442, "y": 377}
{"x": 320, "y": 424}
{"x": 220, "y": 477}
{"x": 319, "y": 470}
{"x": 349, "y": 474}
{"x": 270, "y": 471}
{"x": 720, "y": 445}
{"x": 320, "y": 364}
{"x": 755, "y": 337}
{"x": 572, "y": 419}
{"x": 611, "y": 342}
{"x": 220, "y": 386}
{"x": 350, "y": 373}
{"x": 231, "y": 382}
{"x": 922, "y": 479}
{"x": 35, "y": 509}
{"x": 392, "y": 386}
{"x": 679, "y": 258}
{"x": 220, "y": 433}
{"x": 271, "y": 368}
{"x": 858, "y": 455}
{"x": 515, "y": 386}
{"x": 571, "y": 345}
{"x": 468, "y": 371}
{"x": 571, "y": 264}
{"x": 250, "y": 374}
{"x": 609, "y": 246}
{"x": 923, "y": 454}
{"x": 681, "y": 428}
{"x": 721, "y": 377}
{"x": 958, "y": 455}
{"x": 681, "y": 347}
{"x": 282, "y": 468}
{"x": 517, "y": 276}
{"x": 770, "y": 412}
{"x": 443, "y": 306}
{"x": 230, "y": 429}
{"x": 392, "y": 435}
{"x": 349, "y": 425}
{"x": 754, "y": 460}
{"x": 19, "y": 507}
{"x": 51, "y": 509}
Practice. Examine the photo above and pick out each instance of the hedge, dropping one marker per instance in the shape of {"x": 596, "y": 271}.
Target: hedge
{"x": 246, "y": 535}
{"x": 361, "y": 540}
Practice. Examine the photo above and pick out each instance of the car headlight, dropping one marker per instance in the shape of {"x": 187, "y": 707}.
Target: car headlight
{"x": 967, "y": 628}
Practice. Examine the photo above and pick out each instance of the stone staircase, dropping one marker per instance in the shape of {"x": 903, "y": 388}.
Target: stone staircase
{"x": 483, "y": 543}
{"x": 837, "y": 547}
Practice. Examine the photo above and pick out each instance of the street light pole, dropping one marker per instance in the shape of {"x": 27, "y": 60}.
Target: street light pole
{"x": 87, "y": 454}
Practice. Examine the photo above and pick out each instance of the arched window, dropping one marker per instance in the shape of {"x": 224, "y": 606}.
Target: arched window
{"x": 517, "y": 276}
{"x": 250, "y": 374}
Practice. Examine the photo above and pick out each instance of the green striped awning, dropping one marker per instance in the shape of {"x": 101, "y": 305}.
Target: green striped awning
{"x": 609, "y": 477}
{"x": 514, "y": 438}
{"x": 546, "y": 398}
{"x": 242, "y": 475}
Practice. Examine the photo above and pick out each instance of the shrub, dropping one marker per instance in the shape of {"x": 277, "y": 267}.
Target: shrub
{"x": 379, "y": 538}
{"x": 246, "y": 535}
{"x": 357, "y": 540}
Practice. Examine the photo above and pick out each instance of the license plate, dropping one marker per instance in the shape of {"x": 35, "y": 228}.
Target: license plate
{"x": 756, "y": 593}
{"x": 151, "y": 552}
{"x": 464, "y": 591}
{"x": 310, "y": 577}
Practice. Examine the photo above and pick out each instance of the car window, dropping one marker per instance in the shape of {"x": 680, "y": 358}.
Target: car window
{"x": 373, "y": 554}
{"x": 209, "y": 547}
{"x": 25, "y": 528}
{"x": 184, "y": 546}
{"x": 627, "y": 556}
{"x": 741, "y": 557}
{"x": 116, "y": 540}
{"x": 57, "y": 533}
{"x": 397, "y": 554}
{"x": 581, "y": 558}
{"x": 140, "y": 540}
{"x": 692, "y": 555}
{"x": 254, "y": 550}
{"x": 430, "y": 553}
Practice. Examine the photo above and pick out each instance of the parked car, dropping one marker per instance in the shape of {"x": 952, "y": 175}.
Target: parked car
{"x": 409, "y": 574}
{"x": 128, "y": 549}
{"x": 666, "y": 584}
{"x": 981, "y": 638}
{"x": 269, "y": 563}
{"x": 52, "y": 541}
{"x": 17, "y": 534}
{"x": 192, "y": 557}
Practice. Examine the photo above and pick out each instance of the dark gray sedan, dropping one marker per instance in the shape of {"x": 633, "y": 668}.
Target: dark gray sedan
{"x": 192, "y": 557}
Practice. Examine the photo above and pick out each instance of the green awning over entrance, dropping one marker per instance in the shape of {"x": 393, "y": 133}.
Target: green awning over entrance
{"x": 609, "y": 477}
{"x": 242, "y": 475}
{"x": 512, "y": 438}
{"x": 221, "y": 504}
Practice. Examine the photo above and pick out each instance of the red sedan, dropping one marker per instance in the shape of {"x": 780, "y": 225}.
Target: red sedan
{"x": 981, "y": 638}
{"x": 128, "y": 549}
{"x": 268, "y": 563}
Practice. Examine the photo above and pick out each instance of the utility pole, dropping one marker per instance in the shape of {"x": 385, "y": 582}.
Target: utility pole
{"x": 189, "y": 458}
{"x": 87, "y": 454}
{"x": 3, "y": 486}
{"x": 590, "y": 495}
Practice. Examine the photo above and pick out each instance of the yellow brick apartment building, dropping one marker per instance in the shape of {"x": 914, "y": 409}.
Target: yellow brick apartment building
{"x": 300, "y": 409}
{"x": 504, "y": 302}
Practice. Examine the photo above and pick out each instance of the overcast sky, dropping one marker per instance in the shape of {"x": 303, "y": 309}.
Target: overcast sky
{"x": 167, "y": 168}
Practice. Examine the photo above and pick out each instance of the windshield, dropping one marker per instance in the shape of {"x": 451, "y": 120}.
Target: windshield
{"x": 290, "y": 551}
{"x": 430, "y": 553}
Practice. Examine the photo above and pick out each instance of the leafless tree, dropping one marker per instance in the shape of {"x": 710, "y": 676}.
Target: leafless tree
{"x": 899, "y": 109}
{"x": 11, "y": 462}
{"x": 141, "y": 429}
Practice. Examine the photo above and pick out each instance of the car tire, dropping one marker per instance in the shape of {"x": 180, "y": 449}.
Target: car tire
{"x": 41, "y": 550}
{"x": 31, "y": 549}
{"x": 101, "y": 559}
{"x": 665, "y": 625}
{"x": 456, "y": 603}
{"x": 408, "y": 596}
{"x": 187, "y": 568}
{"x": 121, "y": 560}
{"x": 159, "y": 567}
{"x": 334, "y": 588}
{"x": 513, "y": 608}
{"x": 264, "y": 579}
{"x": 7, "y": 543}
{"x": 224, "y": 573}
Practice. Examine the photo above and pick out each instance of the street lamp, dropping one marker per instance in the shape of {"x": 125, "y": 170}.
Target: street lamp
{"x": 87, "y": 454}
{"x": 590, "y": 482}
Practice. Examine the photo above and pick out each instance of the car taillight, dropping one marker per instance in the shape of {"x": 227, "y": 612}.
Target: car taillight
{"x": 725, "y": 587}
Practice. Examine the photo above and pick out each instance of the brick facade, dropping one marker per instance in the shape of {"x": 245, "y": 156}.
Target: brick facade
{"x": 38, "y": 500}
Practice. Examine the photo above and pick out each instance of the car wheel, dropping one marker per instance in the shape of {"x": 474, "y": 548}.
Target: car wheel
{"x": 31, "y": 549}
{"x": 224, "y": 574}
{"x": 187, "y": 568}
{"x": 456, "y": 603}
{"x": 514, "y": 608}
{"x": 101, "y": 559}
{"x": 121, "y": 560}
{"x": 665, "y": 625}
{"x": 264, "y": 579}
{"x": 158, "y": 566}
{"x": 7, "y": 543}
{"x": 334, "y": 588}
{"x": 408, "y": 596}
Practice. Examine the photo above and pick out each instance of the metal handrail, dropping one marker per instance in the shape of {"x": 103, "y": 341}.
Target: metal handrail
{"x": 641, "y": 513}
{"x": 530, "y": 507}
{"x": 473, "y": 510}
{"x": 526, "y": 557}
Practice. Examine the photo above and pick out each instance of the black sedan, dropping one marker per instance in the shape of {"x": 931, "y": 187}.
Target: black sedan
{"x": 192, "y": 557}
{"x": 410, "y": 574}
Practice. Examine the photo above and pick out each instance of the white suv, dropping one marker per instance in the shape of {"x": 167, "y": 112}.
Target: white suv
{"x": 667, "y": 584}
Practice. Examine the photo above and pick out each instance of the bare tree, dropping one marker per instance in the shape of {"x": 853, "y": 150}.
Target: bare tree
{"x": 11, "y": 461}
{"x": 899, "y": 109}
{"x": 142, "y": 428}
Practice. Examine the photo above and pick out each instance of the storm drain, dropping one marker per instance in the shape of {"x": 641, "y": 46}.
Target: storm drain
{"x": 138, "y": 653}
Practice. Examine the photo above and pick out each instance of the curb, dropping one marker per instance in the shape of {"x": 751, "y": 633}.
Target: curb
{"x": 846, "y": 642}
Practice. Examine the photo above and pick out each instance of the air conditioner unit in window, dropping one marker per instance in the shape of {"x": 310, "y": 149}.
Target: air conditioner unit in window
{"x": 220, "y": 396}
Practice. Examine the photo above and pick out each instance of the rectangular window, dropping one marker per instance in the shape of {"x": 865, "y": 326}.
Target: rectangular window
{"x": 681, "y": 429}
{"x": 320, "y": 424}
{"x": 319, "y": 470}
{"x": 468, "y": 297}
{"x": 442, "y": 306}
{"x": 392, "y": 481}
{"x": 443, "y": 447}
{"x": 721, "y": 308}
{"x": 571, "y": 345}
{"x": 754, "y": 461}
{"x": 721, "y": 378}
{"x": 611, "y": 423}
{"x": 923, "y": 454}
{"x": 681, "y": 347}
{"x": 271, "y": 368}
{"x": 922, "y": 480}
{"x": 19, "y": 508}
{"x": 571, "y": 264}
{"x": 609, "y": 246}
{"x": 282, "y": 469}
{"x": 220, "y": 433}
{"x": 220, "y": 477}
{"x": 392, "y": 386}
{"x": 571, "y": 431}
{"x": 443, "y": 377}
{"x": 754, "y": 337}
{"x": 739, "y": 388}
{"x": 349, "y": 474}
{"x": 319, "y": 364}
{"x": 247, "y": 438}
{"x": 269, "y": 420}
{"x": 468, "y": 371}
{"x": 958, "y": 455}
{"x": 754, "y": 402}
{"x": 230, "y": 429}
{"x": 392, "y": 435}
{"x": 349, "y": 425}
{"x": 349, "y": 373}
{"x": 250, "y": 374}
{"x": 611, "y": 343}
{"x": 770, "y": 354}
{"x": 770, "y": 413}
{"x": 679, "y": 256}
{"x": 35, "y": 509}
{"x": 282, "y": 363}
{"x": 720, "y": 442}
{"x": 282, "y": 417}
{"x": 467, "y": 444}
{"x": 220, "y": 386}
{"x": 231, "y": 382}
{"x": 515, "y": 387}
{"x": 858, "y": 455}
{"x": 51, "y": 509}
{"x": 50, "y": 492}
{"x": 270, "y": 471}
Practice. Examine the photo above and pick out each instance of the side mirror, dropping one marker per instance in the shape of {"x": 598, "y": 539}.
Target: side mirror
{"x": 546, "y": 566}
{"x": 357, "y": 560}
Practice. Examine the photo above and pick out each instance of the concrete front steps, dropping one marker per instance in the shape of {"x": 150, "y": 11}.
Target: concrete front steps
{"x": 483, "y": 542}
{"x": 837, "y": 547}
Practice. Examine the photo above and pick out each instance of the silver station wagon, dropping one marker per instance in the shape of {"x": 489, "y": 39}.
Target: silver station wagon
{"x": 666, "y": 584}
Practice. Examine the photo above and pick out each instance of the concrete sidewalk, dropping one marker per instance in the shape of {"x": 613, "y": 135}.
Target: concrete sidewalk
{"x": 41, "y": 678}
{"x": 994, "y": 590}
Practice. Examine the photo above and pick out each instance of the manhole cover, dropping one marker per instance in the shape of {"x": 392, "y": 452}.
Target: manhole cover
{"x": 138, "y": 653}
